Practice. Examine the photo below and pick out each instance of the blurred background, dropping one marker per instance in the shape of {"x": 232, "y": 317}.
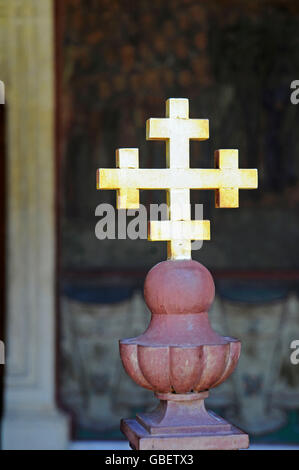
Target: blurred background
{"x": 82, "y": 77}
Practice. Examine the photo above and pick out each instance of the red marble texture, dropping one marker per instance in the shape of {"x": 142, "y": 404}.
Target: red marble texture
{"x": 179, "y": 352}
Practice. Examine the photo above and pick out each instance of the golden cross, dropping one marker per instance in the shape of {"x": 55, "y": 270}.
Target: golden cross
{"x": 177, "y": 179}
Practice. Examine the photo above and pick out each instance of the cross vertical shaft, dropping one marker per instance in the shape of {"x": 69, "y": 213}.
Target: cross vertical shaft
{"x": 177, "y": 129}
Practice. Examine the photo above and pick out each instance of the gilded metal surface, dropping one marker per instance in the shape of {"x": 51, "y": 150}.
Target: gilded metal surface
{"x": 178, "y": 178}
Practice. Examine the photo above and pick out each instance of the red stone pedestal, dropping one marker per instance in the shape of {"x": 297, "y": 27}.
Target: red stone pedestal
{"x": 181, "y": 421}
{"x": 180, "y": 358}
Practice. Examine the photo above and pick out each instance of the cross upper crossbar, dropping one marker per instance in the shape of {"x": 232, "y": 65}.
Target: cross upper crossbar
{"x": 178, "y": 178}
{"x": 167, "y": 178}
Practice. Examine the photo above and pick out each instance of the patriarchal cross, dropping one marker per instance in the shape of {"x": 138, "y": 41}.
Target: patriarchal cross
{"x": 177, "y": 178}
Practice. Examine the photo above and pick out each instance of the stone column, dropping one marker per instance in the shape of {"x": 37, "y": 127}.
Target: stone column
{"x": 31, "y": 418}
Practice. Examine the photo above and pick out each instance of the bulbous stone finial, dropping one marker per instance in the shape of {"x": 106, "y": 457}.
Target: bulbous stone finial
{"x": 179, "y": 351}
{"x": 179, "y": 287}
{"x": 180, "y": 357}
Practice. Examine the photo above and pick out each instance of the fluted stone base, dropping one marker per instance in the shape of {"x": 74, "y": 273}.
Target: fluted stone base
{"x": 181, "y": 422}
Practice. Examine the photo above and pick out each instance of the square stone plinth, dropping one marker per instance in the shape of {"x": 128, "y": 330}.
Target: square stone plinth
{"x": 141, "y": 439}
